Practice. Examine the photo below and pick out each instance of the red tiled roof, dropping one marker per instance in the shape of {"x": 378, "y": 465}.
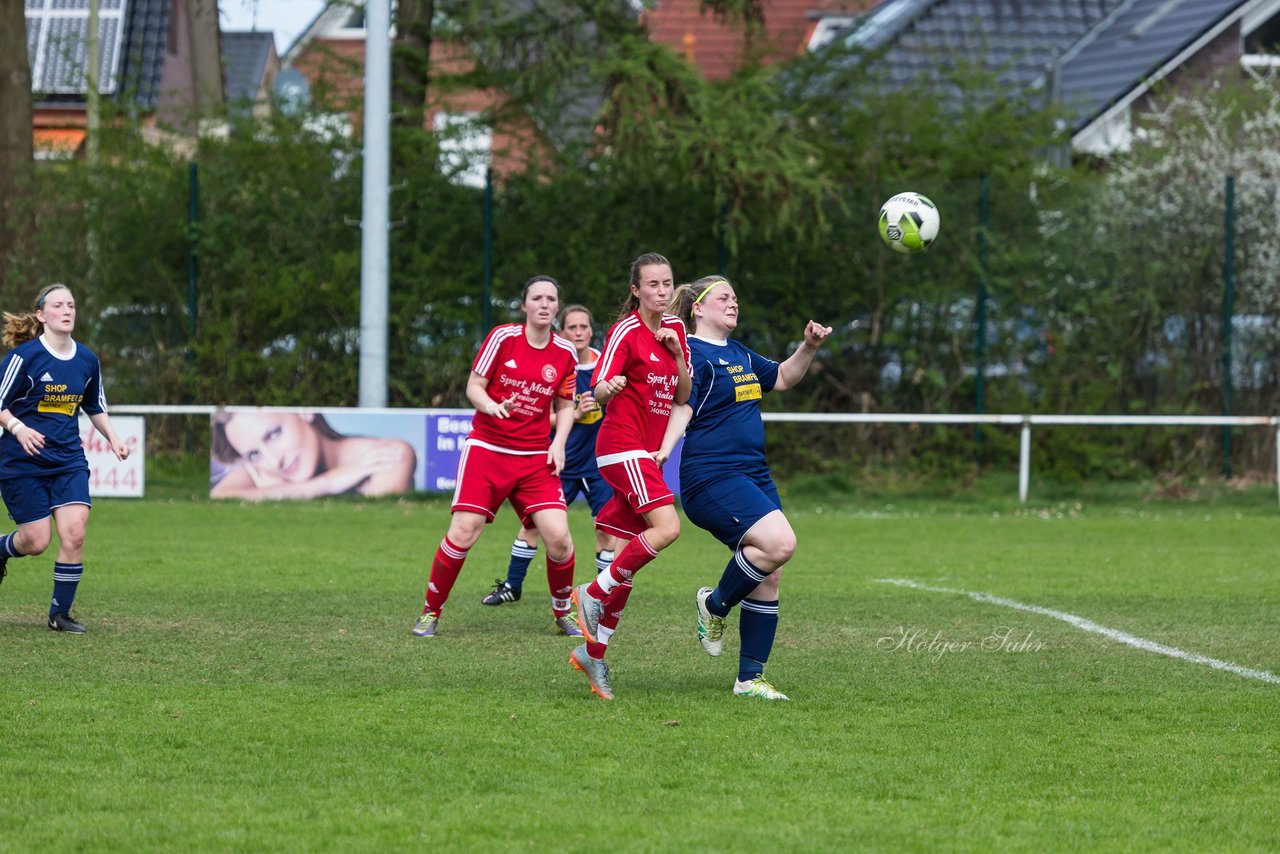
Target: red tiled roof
{"x": 718, "y": 48}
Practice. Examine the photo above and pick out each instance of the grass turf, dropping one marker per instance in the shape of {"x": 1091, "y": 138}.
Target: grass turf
{"x": 249, "y": 682}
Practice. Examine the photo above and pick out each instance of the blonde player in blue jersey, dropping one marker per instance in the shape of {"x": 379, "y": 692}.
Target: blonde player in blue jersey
{"x": 45, "y": 380}
{"x": 725, "y": 484}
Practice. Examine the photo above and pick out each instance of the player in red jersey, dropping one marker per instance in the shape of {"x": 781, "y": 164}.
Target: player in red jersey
{"x": 518, "y": 375}
{"x": 642, "y": 374}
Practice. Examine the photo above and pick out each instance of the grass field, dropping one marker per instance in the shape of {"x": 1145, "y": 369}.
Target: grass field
{"x": 249, "y": 682}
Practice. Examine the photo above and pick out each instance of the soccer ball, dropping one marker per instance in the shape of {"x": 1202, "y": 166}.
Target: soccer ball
{"x": 908, "y": 222}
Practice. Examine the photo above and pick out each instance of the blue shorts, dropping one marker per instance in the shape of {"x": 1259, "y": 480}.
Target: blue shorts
{"x": 728, "y": 506}
{"x": 593, "y": 486}
{"x": 31, "y": 499}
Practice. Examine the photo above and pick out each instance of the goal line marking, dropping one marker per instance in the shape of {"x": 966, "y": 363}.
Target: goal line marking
{"x": 1090, "y": 626}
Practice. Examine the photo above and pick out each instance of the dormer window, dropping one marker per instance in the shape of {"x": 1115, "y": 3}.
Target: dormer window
{"x": 1261, "y": 54}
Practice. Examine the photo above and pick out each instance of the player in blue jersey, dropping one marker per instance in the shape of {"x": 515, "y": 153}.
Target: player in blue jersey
{"x": 726, "y": 487}
{"x": 45, "y": 380}
{"x": 580, "y": 475}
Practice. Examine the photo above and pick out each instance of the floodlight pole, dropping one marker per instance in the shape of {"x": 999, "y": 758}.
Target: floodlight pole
{"x": 376, "y": 197}
{"x": 1228, "y": 309}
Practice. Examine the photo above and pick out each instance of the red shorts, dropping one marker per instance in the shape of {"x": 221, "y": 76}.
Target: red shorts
{"x": 486, "y": 478}
{"x": 638, "y": 487}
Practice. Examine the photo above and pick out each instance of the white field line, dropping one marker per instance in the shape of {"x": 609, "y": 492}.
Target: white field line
{"x": 1090, "y": 626}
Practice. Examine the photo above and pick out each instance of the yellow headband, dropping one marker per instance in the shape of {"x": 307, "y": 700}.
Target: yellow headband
{"x": 708, "y": 288}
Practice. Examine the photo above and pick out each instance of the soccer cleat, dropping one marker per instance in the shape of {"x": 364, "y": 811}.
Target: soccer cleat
{"x": 596, "y": 671}
{"x": 426, "y": 626}
{"x": 502, "y": 592}
{"x": 710, "y": 627}
{"x": 568, "y": 625}
{"x": 758, "y": 687}
{"x": 589, "y": 611}
{"x": 63, "y": 623}
{"x": 4, "y": 567}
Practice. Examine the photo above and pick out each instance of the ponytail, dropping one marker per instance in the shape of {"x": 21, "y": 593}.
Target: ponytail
{"x": 20, "y": 328}
{"x": 682, "y": 306}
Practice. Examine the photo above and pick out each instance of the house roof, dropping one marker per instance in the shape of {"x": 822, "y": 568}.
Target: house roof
{"x": 336, "y": 20}
{"x": 1135, "y": 43}
{"x": 244, "y": 62}
{"x": 132, "y": 35}
{"x": 146, "y": 38}
{"x": 1104, "y": 48}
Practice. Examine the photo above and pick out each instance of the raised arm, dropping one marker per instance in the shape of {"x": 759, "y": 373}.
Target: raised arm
{"x": 791, "y": 371}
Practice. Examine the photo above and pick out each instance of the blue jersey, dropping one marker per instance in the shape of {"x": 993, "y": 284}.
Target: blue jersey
{"x": 580, "y": 449}
{"x": 45, "y": 391}
{"x": 726, "y": 433}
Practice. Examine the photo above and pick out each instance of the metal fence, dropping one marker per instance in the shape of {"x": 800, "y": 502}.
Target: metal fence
{"x": 1024, "y": 422}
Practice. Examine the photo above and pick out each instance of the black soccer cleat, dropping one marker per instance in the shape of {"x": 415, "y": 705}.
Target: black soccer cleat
{"x": 63, "y": 623}
{"x": 502, "y": 592}
{"x": 4, "y": 568}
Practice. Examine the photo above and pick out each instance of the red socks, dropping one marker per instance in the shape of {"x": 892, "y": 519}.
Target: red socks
{"x": 560, "y": 581}
{"x": 444, "y": 572}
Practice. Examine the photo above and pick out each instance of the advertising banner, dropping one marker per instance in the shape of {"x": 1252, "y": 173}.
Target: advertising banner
{"x": 282, "y": 453}
{"x": 109, "y": 477}
{"x": 264, "y": 454}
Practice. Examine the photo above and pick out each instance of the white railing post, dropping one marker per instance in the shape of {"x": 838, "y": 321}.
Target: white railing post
{"x": 1024, "y": 461}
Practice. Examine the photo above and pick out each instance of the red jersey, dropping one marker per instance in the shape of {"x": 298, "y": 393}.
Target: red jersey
{"x": 530, "y": 378}
{"x": 638, "y": 414}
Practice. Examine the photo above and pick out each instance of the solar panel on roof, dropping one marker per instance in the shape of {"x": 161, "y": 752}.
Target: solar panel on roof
{"x": 57, "y": 45}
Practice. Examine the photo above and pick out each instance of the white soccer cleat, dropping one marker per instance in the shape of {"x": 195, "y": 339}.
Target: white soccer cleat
{"x": 710, "y": 627}
{"x": 758, "y": 687}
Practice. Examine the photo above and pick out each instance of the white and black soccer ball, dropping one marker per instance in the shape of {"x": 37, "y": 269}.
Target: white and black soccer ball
{"x": 909, "y": 222}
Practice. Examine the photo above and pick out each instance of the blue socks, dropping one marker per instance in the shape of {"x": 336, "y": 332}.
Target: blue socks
{"x": 521, "y": 556}
{"x": 757, "y": 626}
{"x": 740, "y": 577}
{"x": 757, "y": 620}
{"x": 8, "y": 548}
{"x": 66, "y": 576}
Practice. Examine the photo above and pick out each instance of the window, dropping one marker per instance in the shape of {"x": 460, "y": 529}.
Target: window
{"x": 1261, "y": 55}
{"x": 1265, "y": 40}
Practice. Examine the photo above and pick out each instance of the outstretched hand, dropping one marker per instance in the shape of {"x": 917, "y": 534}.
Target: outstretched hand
{"x": 815, "y": 333}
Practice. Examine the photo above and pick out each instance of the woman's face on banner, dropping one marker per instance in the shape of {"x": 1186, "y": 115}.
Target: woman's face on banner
{"x": 282, "y": 444}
